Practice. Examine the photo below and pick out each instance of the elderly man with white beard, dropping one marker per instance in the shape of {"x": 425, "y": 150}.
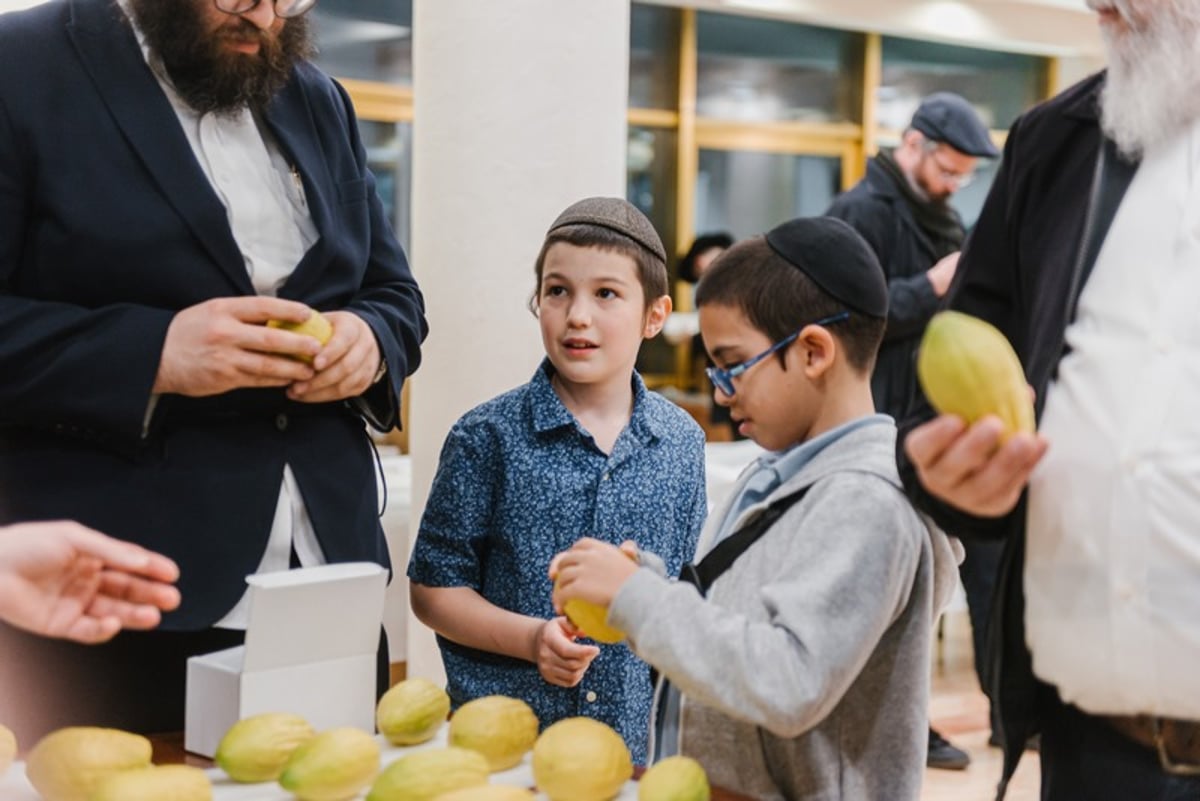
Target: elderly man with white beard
{"x": 1087, "y": 257}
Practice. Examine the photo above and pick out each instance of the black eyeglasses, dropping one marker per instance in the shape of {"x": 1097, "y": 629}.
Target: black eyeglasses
{"x": 283, "y": 8}
{"x": 722, "y": 378}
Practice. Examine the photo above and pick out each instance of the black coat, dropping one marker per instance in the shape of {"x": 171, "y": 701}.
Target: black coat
{"x": 108, "y": 227}
{"x": 1022, "y": 270}
{"x": 877, "y": 210}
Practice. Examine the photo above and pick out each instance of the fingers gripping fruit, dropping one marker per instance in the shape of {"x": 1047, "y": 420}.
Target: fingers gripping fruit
{"x": 592, "y": 619}
{"x": 316, "y": 326}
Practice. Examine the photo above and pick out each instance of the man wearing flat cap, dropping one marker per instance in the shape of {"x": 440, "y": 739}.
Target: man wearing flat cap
{"x": 902, "y": 209}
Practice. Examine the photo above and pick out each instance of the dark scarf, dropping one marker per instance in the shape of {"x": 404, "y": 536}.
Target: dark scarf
{"x": 938, "y": 220}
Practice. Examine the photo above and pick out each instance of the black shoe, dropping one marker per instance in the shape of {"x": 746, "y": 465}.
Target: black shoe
{"x": 944, "y": 755}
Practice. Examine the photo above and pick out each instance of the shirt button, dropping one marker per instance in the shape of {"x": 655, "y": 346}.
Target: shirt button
{"x": 591, "y": 696}
{"x": 604, "y": 476}
{"x": 281, "y": 421}
{"x": 1126, "y": 591}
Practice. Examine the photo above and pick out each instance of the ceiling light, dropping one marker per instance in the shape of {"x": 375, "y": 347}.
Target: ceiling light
{"x": 17, "y": 5}
{"x": 953, "y": 19}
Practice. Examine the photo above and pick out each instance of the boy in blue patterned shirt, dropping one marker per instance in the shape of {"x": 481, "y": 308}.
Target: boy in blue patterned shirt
{"x": 583, "y": 449}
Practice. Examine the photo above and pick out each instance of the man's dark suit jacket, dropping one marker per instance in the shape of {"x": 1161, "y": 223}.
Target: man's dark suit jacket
{"x": 1022, "y": 269}
{"x": 108, "y": 227}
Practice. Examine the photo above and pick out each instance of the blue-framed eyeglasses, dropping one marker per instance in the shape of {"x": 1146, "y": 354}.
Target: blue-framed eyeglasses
{"x": 722, "y": 377}
{"x": 283, "y": 8}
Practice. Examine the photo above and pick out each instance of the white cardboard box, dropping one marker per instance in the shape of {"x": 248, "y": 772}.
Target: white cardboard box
{"x": 310, "y": 650}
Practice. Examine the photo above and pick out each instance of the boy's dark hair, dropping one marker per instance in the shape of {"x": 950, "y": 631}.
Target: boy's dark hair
{"x": 651, "y": 270}
{"x": 777, "y": 298}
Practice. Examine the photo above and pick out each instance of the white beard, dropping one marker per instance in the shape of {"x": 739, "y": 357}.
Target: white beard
{"x": 1153, "y": 88}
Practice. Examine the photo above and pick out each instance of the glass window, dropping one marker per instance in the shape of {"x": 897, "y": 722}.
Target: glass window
{"x": 369, "y": 40}
{"x": 999, "y": 85}
{"x": 759, "y": 70}
{"x": 389, "y": 155}
{"x": 650, "y": 178}
{"x": 649, "y": 185}
{"x": 653, "y": 56}
{"x": 746, "y": 192}
{"x": 969, "y": 200}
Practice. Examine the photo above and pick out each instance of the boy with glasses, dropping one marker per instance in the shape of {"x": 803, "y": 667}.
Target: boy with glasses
{"x": 797, "y": 645}
{"x": 902, "y": 209}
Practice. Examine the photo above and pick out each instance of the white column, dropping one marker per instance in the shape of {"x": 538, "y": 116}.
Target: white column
{"x": 519, "y": 111}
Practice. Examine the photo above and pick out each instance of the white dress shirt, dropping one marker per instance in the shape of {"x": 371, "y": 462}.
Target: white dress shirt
{"x": 269, "y": 217}
{"x": 1112, "y": 568}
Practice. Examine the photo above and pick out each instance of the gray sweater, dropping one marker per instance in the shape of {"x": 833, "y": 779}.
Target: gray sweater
{"x": 805, "y": 675}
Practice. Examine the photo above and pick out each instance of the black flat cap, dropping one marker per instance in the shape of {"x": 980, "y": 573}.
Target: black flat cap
{"x": 946, "y": 117}
{"x": 836, "y": 258}
{"x": 615, "y": 214}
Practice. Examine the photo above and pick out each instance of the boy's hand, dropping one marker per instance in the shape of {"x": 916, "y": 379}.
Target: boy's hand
{"x": 560, "y": 659}
{"x": 592, "y": 571}
{"x": 968, "y": 467}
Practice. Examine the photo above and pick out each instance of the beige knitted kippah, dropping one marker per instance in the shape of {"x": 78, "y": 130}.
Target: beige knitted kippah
{"x": 615, "y": 214}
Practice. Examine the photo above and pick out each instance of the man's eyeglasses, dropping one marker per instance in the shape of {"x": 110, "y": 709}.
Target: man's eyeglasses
{"x": 283, "y": 8}
{"x": 959, "y": 179}
{"x": 722, "y": 377}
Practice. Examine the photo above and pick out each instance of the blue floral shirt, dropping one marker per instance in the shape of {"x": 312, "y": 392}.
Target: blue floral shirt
{"x": 520, "y": 480}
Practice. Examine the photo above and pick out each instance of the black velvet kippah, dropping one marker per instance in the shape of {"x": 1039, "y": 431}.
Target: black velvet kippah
{"x": 836, "y": 258}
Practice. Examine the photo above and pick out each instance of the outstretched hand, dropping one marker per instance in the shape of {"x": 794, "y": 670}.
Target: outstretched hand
{"x": 60, "y": 579}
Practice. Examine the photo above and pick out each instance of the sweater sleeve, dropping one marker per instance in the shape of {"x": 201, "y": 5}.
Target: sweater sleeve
{"x": 809, "y": 626}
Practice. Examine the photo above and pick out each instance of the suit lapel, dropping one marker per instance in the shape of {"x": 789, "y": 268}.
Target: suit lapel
{"x": 110, "y": 52}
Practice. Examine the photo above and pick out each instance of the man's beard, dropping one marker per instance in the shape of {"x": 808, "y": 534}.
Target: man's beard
{"x": 206, "y": 74}
{"x": 922, "y": 188}
{"x": 1153, "y": 88}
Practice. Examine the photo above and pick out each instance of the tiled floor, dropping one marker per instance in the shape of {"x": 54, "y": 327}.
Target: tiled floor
{"x": 960, "y": 712}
